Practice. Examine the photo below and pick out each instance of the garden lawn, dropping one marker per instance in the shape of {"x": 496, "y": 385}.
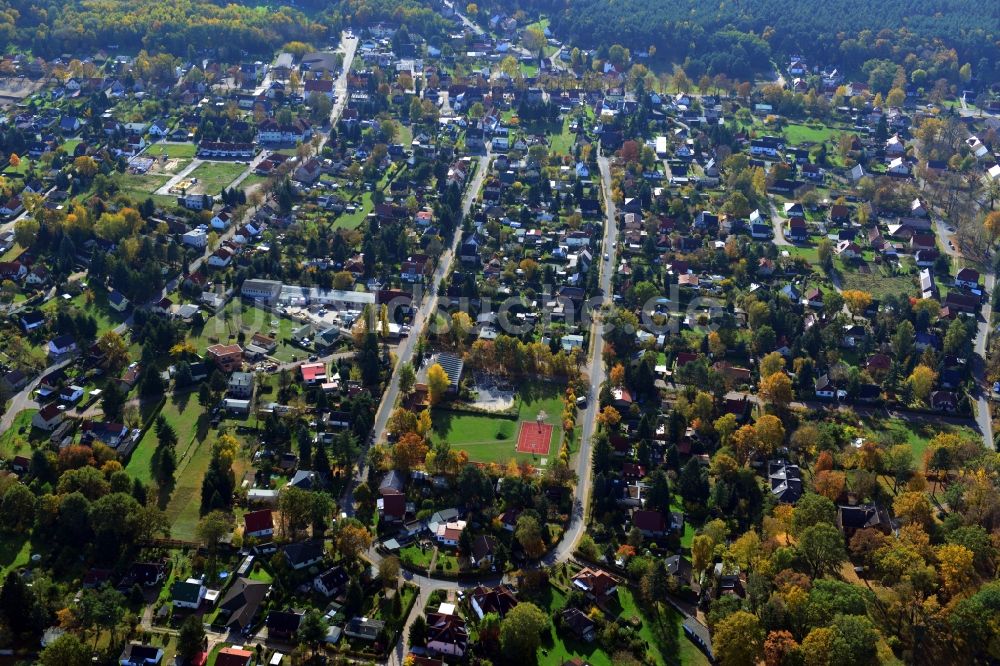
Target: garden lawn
{"x": 261, "y": 575}
{"x": 99, "y": 309}
{"x": 14, "y": 442}
{"x": 15, "y": 552}
{"x": 489, "y": 438}
{"x": 558, "y": 649}
{"x": 224, "y": 327}
{"x": 213, "y": 177}
{"x": 664, "y": 633}
{"x": 415, "y": 557}
{"x": 70, "y": 145}
{"x": 562, "y": 143}
{"x": 354, "y": 220}
{"x": 13, "y": 253}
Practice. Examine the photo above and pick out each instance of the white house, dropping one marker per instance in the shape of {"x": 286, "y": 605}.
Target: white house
{"x": 221, "y": 220}
{"x": 899, "y": 167}
{"x": 332, "y": 581}
{"x": 894, "y": 146}
{"x": 48, "y": 417}
{"x": 196, "y": 238}
{"x": 449, "y": 533}
{"x": 220, "y": 258}
{"x": 61, "y": 346}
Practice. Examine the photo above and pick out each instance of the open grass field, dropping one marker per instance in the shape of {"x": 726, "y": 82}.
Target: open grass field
{"x": 183, "y": 413}
{"x": 172, "y": 150}
{"x": 494, "y": 438}
{"x": 251, "y": 180}
{"x": 877, "y": 284}
{"x": 194, "y": 451}
{"x": 796, "y": 133}
{"x": 213, "y": 177}
{"x": 184, "y": 506}
{"x": 141, "y": 186}
{"x": 918, "y": 433}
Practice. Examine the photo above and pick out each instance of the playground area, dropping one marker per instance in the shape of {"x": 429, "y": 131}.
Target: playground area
{"x": 492, "y": 394}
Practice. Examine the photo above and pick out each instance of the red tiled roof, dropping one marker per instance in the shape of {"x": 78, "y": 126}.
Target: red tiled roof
{"x": 313, "y": 371}
{"x": 649, "y": 521}
{"x": 258, "y": 521}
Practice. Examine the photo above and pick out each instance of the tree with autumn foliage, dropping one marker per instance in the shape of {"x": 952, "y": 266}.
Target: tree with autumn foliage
{"x": 830, "y": 484}
{"x": 956, "y": 569}
{"x": 991, "y": 223}
{"x": 913, "y": 508}
{"x": 609, "y": 417}
{"x": 744, "y": 443}
{"x": 770, "y": 434}
{"x": 777, "y": 390}
{"x": 857, "y": 301}
{"x": 922, "y": 381}
{"x": 437, "y": 383}
{"x": 780, "y": 648}
{"x": 616, "y": 377}
{"x": 409, "y": 452}
{"x": 351, "y": 539}
{"x": 739, "y": 639}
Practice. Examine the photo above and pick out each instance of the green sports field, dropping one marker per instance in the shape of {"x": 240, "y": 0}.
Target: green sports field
{"x": 494, "y": 438}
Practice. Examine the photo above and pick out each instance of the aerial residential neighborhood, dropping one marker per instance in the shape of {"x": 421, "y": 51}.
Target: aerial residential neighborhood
{"x": 417, "y": 333}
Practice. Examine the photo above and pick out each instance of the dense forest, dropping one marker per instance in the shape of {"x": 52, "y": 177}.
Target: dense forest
{"x": 49, "y": 28}
{"x": 421, "y": 17}
{"x": 186, "y": 28}
{"x": 737, "y": 38}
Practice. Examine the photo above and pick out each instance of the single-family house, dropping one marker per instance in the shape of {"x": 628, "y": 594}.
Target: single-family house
{"x": 598, "y": 584}
{"x": 136, "y": 654}
{"x": 188, "y": 594}
{"x": 61, "y": 346}
{"x": 447, "y": 635}
{"x": 579, "y": 624}
{"x": 241, "y": 602}
{"x": 226, "y": 358}
{"x": 258, "y": 524}
{"x": 282, "y": 625}
{"x": 48, "y": 417}
{"x": 303, "y": 554}
{"x": 499, "y": 600}
{"x": 332, "y": 582}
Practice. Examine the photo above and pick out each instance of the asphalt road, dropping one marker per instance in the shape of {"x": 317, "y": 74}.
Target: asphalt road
{"x": 404, "y": 353}
{"x": 578, "y": 521}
